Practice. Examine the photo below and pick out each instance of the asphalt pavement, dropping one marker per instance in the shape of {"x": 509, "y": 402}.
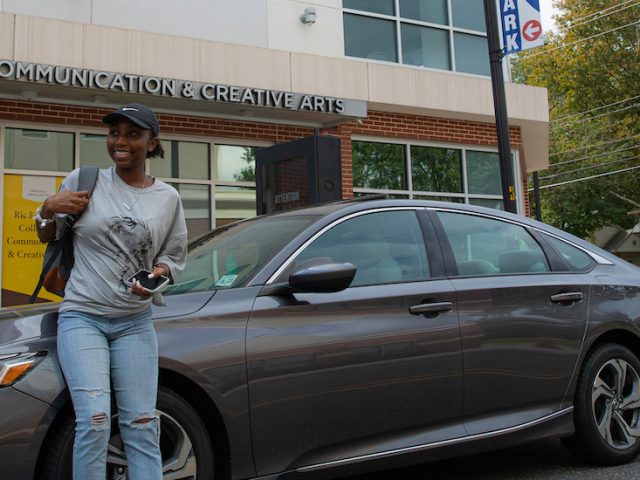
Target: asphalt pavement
{"x": 546, "y": 460}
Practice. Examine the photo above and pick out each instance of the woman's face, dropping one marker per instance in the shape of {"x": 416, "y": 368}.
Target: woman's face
{"x": 128, "y": 144}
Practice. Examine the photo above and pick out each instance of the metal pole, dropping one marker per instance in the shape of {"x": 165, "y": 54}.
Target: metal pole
{"x": 536, "y": 195}
{"x": 500, "y": 106}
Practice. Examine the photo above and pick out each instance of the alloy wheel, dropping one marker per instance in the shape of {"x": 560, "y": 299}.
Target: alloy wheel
{"x": 178, "y": 457}
{"x": 615, "y": 402}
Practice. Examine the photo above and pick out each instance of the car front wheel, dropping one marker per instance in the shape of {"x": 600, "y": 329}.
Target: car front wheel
{"x": 185, "y": 445}
{"x": 607, "y": 407}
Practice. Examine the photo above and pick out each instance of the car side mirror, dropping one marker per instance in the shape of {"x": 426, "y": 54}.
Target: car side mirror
{"x": 317, "y": 275}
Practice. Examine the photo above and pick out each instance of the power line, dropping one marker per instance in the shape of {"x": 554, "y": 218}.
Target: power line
{"x": 532, "y": 55}
{"x": 603, "y": 154}
{"x": 596, "y": 15}
{"x": 582, "y": 120}
{"x": 593, "y": 145}
{"x": 594, "y": 109}
{"x": 606, "y": 164}
{"x": 586, "y": 178}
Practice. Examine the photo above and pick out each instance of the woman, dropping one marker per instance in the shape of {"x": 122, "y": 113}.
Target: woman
{"x": 105, "y": 335}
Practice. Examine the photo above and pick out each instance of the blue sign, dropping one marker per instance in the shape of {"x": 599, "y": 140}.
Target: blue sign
{"x": 521, "y": 27}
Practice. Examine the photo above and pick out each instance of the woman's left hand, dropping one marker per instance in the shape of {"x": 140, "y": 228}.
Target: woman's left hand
{"x": 158, "y": 270}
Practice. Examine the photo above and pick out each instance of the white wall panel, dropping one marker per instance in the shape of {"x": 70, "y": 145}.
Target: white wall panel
{"x": 48, "y": 41}
{"x": 72, "y": 10}
{"x": 286, "y": 31}
{"x": 238, "y": 21}
{"x": 6, "y": 36}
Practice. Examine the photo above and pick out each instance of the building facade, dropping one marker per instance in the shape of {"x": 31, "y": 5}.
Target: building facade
{"x": 404, "y": 85}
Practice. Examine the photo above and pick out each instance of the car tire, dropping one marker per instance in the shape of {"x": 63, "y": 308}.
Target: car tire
{"x": 607, "y": 407}
{"x": 186, "y": 448}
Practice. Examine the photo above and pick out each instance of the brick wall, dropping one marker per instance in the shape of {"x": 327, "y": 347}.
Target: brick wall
{"x": 377, "y": 124}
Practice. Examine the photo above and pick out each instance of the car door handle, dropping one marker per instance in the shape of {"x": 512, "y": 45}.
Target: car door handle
{"x": 567, "y": 297}
{"x": 430, "y": 308}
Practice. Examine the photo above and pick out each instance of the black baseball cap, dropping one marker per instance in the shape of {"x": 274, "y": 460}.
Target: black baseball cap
{"x": 139, "y": 114}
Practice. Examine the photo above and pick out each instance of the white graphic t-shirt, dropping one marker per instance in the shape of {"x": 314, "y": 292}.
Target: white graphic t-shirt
{"x": 123, "y": 230}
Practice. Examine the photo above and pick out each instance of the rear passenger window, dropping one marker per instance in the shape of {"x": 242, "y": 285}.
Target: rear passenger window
{"x": 576, "y": 259}
{"x": 485, "y": 246}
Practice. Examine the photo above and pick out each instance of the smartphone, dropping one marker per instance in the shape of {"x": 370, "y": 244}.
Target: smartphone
{"x": 152, "y": 284}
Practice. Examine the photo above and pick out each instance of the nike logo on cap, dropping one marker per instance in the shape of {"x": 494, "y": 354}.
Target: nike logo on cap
{"x": 126, "y": 109}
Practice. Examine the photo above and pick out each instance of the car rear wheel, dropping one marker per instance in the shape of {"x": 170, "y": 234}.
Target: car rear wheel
{"x": 186, "y": 448}
{"x": 607, "y": 407}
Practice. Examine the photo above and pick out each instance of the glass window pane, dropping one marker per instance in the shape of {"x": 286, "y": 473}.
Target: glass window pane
{"x": 436, "y": 169}
{"x": 484, "y": 246}
{"x": 182, "y": 160}
{"x": 433, "y": 11}
{"x": 196, "y": 202}
{"x": 439, "y": 199}
{"x": 371, "y": 38}
{"x": 230, "y": 257}
{"x": 385, "y": 247}
{"x": 577, "y": 260}
{"x": 38, "y": 150}
{"x": 93, "y": 151}
{"x": 483, "y": 173}
{"x": 425, "y": 47}
{"x": 379, "y": 165}
{"x": 487, "y": 202}
{"x": 468, "y": 14}
{"x": 385, "y": 7}
{"x": 235, "y": 163}
{"x": 472, "y": 54}
{"x": 234, "y": 203}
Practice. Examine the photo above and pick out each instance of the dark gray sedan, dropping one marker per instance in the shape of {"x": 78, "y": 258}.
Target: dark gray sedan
{"x": 356, "y": 336}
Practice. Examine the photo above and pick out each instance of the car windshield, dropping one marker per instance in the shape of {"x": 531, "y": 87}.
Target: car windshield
{"x": 232, "y": 255}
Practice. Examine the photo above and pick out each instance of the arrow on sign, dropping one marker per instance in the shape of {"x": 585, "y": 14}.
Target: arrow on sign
{"x": 531, "y": 30}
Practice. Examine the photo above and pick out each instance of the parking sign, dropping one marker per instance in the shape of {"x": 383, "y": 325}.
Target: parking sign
{"x": 521, "y": 27}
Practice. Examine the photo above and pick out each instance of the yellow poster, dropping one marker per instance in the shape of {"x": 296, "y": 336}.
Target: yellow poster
{"x": 22, "y": 251}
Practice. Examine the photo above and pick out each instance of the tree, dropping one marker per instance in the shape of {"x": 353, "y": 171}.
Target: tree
{"x": 590, "y": 67}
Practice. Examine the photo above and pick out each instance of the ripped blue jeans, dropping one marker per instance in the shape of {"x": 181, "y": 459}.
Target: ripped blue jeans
{"x": 97, "y": 352}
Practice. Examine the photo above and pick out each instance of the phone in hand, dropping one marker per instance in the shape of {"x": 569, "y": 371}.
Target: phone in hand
{"x": 152, "y": 284}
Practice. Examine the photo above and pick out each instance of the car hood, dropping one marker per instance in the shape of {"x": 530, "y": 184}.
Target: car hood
{"x": 18, "y": 324}
{"x": 22, "y": 323}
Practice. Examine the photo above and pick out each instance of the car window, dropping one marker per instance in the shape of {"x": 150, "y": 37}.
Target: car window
{"x": 576, "y": 259}
{"x": 230, "y": 257}
{"x": 385, "y": 247}
{"x": 485, "y": 246}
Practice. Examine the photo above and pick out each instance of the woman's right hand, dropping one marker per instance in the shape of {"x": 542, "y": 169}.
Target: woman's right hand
{"x": 65, "y": 201}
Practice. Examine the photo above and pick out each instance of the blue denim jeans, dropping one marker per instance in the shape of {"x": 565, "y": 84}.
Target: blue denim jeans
{"x": 97, "y": 352}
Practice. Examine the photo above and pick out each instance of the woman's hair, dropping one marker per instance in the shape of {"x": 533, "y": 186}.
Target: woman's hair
{"x": 157, "y": 152}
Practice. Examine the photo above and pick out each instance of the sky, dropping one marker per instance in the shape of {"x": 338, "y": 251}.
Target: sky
{"x": 546, "y": 11}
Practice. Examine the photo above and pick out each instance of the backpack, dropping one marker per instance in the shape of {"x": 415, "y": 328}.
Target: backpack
{"x": 58, "y": 256}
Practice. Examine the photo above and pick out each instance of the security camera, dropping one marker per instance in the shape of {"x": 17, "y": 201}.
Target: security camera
{"x": 309, "y": 16}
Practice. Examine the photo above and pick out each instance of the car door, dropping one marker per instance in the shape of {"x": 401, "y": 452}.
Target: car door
{"x": 521, "y": 323}
{"x": 337, "y": 376}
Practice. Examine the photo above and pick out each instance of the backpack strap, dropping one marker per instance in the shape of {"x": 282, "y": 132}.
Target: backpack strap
{"x": 87, "y": 181}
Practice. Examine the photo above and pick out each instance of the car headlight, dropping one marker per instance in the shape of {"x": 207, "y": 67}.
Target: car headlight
{"x": 14, "y": 366}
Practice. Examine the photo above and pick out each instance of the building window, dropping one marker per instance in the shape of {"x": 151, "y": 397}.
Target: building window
{"x": 401, "y": 170}
{"x": 44, "y": 150}
{"x": 379, "y": 165}
{"x": 442, "y": 34}
{"x": 182, "y": 160}
{"x": 93, "y": 150}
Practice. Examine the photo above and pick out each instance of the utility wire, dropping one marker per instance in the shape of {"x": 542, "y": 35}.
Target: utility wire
{"x": 592, "y": 145}
{"x": 553, "y": 185}
{"x": 594, "y": 109}
{"x": 532, "y": 55}
{"x": 582, "y": 120}
{"x": 606, "y": 164}
{"x": 601, "y": 13}
{"x": 603, "y": 154}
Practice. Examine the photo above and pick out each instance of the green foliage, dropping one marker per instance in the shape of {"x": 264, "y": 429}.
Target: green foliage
{"x": 590, "y": 67}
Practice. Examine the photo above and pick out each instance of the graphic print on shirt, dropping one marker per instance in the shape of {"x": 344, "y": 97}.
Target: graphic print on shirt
{"x": 131, "y": 244}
